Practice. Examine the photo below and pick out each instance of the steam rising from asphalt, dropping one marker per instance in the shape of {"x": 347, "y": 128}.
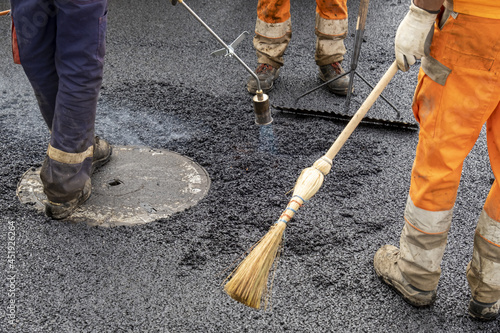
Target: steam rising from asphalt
{"x": 267, "y": 141}
{"x": 126, "y": 126}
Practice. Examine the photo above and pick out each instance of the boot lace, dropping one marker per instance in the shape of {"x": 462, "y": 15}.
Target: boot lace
{"x": 264, "y": 68}
{"x": 336, "y": 67}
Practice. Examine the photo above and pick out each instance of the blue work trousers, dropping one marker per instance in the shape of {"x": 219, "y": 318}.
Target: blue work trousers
{"x": 61, "y": 48}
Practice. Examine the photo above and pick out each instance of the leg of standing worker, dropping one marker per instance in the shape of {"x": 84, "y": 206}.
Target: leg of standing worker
{"x": 331, "y": 30}
{"x": 483, "y": 272}
{"x": 36, "y": 32}
{"x": 273, "y": 31}
{"x": 79, "y": 63}
{"x": 451, "y": 114}
{"x": 451, "y": 118}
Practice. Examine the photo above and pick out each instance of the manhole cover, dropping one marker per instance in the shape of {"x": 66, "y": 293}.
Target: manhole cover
{"x": 137, "y": 186}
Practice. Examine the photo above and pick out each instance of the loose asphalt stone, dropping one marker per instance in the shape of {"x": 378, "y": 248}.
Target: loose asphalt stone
{"x": 163, "y": 90}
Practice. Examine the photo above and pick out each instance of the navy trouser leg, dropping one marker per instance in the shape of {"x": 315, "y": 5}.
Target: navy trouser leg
{"x": 36, "y": 32}
{"x": 79, "y": 63}
{"x": 73, "y": 37}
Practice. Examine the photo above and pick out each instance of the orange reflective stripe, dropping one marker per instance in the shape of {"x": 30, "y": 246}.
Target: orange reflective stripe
{"x": 498, "y": 245}
{"x": 427, "y": 233}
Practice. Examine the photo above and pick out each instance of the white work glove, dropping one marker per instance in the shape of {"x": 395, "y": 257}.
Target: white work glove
{"x": 412, "y": 36}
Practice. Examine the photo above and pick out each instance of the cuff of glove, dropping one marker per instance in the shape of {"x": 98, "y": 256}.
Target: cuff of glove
{"x": 423, "y": 13}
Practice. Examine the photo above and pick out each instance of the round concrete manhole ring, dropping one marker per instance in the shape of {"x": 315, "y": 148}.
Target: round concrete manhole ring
{"x": 138, "y": 185}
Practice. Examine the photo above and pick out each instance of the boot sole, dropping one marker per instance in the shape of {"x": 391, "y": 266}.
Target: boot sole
{"x": 340, "y": 92}
{"x": 393, "y": 286}
{"x": 482, "y": 319}
{"x": 479, "y": 317}
{"x": 62, "y": 215}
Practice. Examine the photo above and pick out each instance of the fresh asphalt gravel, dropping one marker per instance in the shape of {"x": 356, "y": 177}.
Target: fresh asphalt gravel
{"x": 163, "y": 89}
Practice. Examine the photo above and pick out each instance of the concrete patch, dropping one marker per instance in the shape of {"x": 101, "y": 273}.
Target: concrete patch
{"x": 139, "y": 185}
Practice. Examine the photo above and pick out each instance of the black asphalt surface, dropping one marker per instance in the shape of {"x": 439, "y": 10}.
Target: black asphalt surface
{"x": 163, "y": 89}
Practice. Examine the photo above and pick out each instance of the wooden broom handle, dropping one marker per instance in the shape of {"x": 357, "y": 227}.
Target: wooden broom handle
{"x": 367, "y": 104}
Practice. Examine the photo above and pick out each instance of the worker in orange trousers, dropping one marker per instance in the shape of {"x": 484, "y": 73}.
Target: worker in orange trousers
{"x": 458, "y": 92}
{"x": 273, "y": 32}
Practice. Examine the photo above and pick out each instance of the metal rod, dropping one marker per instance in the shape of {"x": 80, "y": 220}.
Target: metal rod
{"x": 354, "y": 64}
{"x": 381, "y": 96}
{"x": 321, "y": 85}
{"x": 363, "y": 109}
{"x": 230, "y": 50}
{"x": 358, "y": 40}
{"x": 349, "y": 87}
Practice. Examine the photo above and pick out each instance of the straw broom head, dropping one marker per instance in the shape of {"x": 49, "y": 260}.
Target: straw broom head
{"x": 249, "y": 281}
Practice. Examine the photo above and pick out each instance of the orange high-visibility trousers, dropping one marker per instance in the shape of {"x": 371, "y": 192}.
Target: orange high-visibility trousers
{"x": 451, "y": 117}
{"x": 273, "y": 31}
{"x": 278, "y": 11}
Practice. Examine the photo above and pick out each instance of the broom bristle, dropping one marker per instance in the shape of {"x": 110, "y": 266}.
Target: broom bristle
{"x": 249, "y": 281}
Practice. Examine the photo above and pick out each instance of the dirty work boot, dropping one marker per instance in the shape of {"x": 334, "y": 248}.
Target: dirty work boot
{"x": 331, "y": 71}
{"x": 483, "y": 311}
{"x": 102, "y": 153}
{"x": 386, "y": 267}
{"x": 61, "y": 210}
{"x": 267, "y": 74}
